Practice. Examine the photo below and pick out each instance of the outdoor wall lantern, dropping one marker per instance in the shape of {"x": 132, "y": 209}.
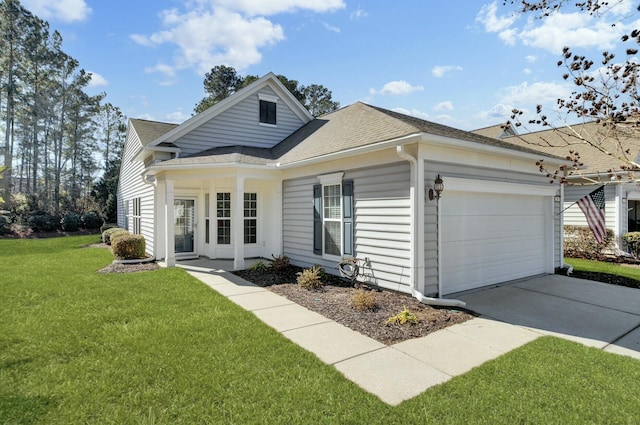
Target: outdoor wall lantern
{"x": 438, "y": 187}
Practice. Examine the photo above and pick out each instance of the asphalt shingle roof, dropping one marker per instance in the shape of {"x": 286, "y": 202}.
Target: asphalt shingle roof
{"x": 354, "y": 126}
{"x": 560, "y": 141}
{"x": 148, "y": 131}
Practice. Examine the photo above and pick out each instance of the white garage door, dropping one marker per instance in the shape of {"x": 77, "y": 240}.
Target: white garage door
{"x": 487, "y": 238}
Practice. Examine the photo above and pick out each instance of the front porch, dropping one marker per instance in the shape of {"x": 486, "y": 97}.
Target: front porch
{"x": 207, "y": 265}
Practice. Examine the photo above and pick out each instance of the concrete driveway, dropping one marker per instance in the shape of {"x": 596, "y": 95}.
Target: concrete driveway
{"x": 593, "y": 313}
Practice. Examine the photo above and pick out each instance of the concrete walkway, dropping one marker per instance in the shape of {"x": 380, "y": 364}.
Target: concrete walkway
{"x": 393, "y": 373}
{"x": 592, "y": 313}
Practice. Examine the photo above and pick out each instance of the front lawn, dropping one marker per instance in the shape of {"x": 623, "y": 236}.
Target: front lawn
{"x": 160, "y": 347}
{"x": 605, "y": 271}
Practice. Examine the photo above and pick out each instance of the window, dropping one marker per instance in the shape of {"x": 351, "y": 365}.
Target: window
{"x": 223, "y": 214}
{"x": 333, "y": 216}
{"x": 127, "y": 214}
{"x": 207, "y": 227}
{"x": 136, "y": 215}
{"x": 250, "y": 218}
{"x": 633, "y": 215}
{"x": 267, "y": 112}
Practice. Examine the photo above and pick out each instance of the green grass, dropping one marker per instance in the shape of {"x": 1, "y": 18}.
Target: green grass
{"x": 160, "y": 347}
{"x": 603, "y": 267}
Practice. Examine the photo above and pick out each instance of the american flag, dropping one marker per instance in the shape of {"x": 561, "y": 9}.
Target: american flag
{"x": 592, "y": 205}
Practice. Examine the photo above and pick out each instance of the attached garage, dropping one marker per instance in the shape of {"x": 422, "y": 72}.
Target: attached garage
{"x": 493, "y": 232}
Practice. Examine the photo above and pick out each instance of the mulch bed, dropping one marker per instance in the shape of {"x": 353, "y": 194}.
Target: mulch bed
{"x": 608, "y": 278}
{"x": 333, "y": 301}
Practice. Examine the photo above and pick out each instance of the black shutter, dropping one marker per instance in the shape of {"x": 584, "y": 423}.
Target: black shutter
{"x": 347, "y": 218}
{"x": 317, "y": 219}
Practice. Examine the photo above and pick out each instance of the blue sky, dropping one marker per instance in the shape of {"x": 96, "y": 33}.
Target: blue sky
{"x": 464, "y": 64}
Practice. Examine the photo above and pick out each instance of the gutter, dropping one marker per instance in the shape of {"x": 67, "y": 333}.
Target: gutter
{"x": 417, "y": 223}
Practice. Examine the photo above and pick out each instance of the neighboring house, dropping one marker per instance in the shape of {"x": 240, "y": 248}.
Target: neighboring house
{"x": 622, "y": 195}
{"x": 256, "y": 175}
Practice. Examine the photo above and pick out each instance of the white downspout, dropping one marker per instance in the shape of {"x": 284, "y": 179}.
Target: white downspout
{"x": 417, "y": 227}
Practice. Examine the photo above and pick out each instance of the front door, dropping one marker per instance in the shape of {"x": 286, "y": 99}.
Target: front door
{"x": 184, "y": 210}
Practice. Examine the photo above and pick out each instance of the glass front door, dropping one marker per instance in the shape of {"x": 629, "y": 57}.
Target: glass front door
{"x": 184, "y": 210}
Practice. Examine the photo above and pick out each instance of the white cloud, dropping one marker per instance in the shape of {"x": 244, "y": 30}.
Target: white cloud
{"x": 444, "y": 106}
{"x": 560, "y": 28}
{"x": 208, "y": 38}
{"x": 536, "y": 93}
{"x": 331, "y": 27}
{"x": 177, "y": 117}
{"x": 497, "y": 112}
{"x": 60, "y": 10}
{"x": 491, "y": 21}
{"x": 273, "y": 7}
{"x": 531, "y": 58}
{"x": 527, "y": 71}
{"x": 97, "y": 80}
{"x": 396, "y": 88}
{"x": 230, "y": 32}
{"x": 358, "y": 13}
{"x": 413, "y": 112}
{"x": 443, "y": 71}
{"x": 571, "y": 29}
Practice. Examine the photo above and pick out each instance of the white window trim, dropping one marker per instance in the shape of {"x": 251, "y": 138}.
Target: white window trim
{"x": 332, "y": 180}
{"x": 268, "y": 98}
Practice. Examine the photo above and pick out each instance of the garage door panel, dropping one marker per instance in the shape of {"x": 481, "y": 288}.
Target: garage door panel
{"x": 489, "y": 204}
{"x": 480, "y": 228}
{"x": 490, "y": 238}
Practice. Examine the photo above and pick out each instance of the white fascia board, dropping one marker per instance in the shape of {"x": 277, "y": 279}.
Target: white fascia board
{"x": 412, "y": 138}
{"x": 155, "y": 169}
{"x": 490, "y": 186}
{"x": 139, "y": 156}
{"x": 195, "y": 121}
{"x": 464, "y": 144}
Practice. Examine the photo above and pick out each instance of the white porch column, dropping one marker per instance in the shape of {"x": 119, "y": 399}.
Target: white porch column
{"x": 169, "y": 230}
{"x": 237, "y": 225}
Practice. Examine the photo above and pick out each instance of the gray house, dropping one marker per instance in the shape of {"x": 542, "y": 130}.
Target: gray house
{"x": 256, "y": 175}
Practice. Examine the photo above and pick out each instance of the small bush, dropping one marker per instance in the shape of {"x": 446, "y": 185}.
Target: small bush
{"x": 632, "y": 240}
{"x": 280, "y": 262}
{"x": 5, "y": 224}
{"x": 70, "y": 222}
{"x": 90, "y": 220}
{"x": 128, "y": 246}
{"x": 363, "y": 300}
{"x": 405, "y": 316}
{"x": 310, "y": 278}
{"x": 106, "y": 226}
{"x": 260, "y": 266}
{"x": 579, "y": 242}
{"x": 117, "y": 234}
{"x": 106, "y": 235}
{"x": 43, "y": 222}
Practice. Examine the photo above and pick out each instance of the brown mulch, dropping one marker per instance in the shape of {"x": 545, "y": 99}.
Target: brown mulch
{"x": 333, "y": 301}
{"x": 122, "y": 268}
{"x": 608, "y": 278}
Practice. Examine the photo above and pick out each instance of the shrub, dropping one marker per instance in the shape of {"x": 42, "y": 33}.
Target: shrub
{"x": 405, "y": 316}
{"x": 579, "y": 242}
{"x": 280, "y": 262}
{"x": 70, "y": 222}
{"x": 5, "y": 224}
{"x": 43, "y": 222}
{"x": 363, "y": 300}
{"x": 106, "y": 226}
{"x": 117, "y": 234}
{"x": 633, "y": 242}
{"x": 106, "y": 235}
{"x": 128, "y": 246}
{"x": 310, "y": 278}
{"x": 260, "y": 266}
{"x": 90, "y": 220}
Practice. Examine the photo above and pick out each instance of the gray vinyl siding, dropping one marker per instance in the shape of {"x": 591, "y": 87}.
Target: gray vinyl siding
{"x": 130, "y": 186}
{"x": 382, "y": 224}
{"x": 239, "y": 126}
{"x": 431, "y": 212}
